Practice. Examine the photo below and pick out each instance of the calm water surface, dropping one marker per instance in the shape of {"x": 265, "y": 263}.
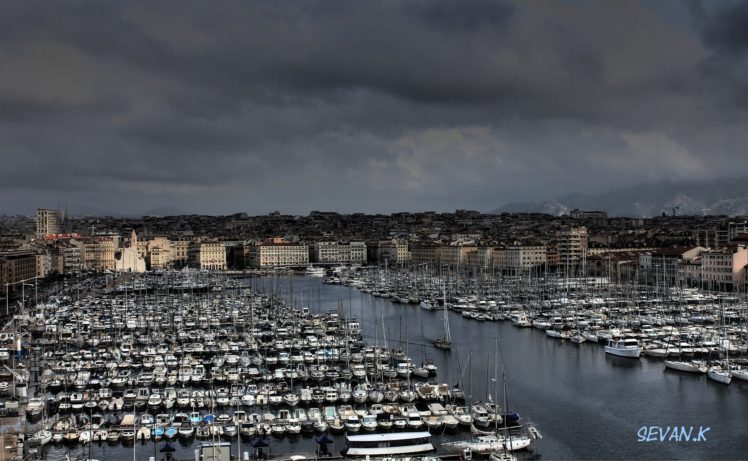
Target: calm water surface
{"x": 586, "y": 405}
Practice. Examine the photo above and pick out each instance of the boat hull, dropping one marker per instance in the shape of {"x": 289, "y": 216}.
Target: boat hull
{"x": 619, "y": 352}
{"x": 687, "y": 367}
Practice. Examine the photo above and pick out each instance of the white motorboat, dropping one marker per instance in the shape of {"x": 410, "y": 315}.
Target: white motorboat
{"x": 35, "y": 407}
{"x": 352, "y": 423}
{"x": 521, "y": 320}
{"x": 415, "y": 421}
{"x": 577, "y": 338}
{"x": 44, "y": 436}
{"x": 626, "y": 347}
{"x": 312, "y": 271}
{"x": 591, "y": 337}
{"x": 143, "y": 433}
{"x": 426, "y": 304}
{"x": 85, "y": 436}
{"x": 369, "y": 423}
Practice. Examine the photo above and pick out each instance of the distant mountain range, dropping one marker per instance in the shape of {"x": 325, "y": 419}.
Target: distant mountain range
{"x": 712, "y": 197}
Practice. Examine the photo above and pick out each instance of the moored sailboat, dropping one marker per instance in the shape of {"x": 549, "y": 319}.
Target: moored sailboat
{"x": 445, "y": 342}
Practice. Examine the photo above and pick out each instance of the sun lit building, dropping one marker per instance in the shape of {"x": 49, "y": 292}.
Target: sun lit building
{"x": 210, "y": 255}
{"x": 129, "y": 259}
{"x": 278, "y": 252}
{"x": 48, "y": 222}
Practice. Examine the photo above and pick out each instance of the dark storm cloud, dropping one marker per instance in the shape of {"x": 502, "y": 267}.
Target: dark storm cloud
{"x": 726, "y": 29}
{"x": 385, "y": 105}
{"x": 723, "y": 29}
{"x": 469, "y": 15}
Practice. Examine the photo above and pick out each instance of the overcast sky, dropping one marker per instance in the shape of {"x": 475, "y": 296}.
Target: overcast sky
{"x": 376, "y": 106}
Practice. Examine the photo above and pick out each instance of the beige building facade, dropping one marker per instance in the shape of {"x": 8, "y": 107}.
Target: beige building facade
{"x": 394, "y": 252}
{"x": 425, "y": 253}
{"x": 207, "y": 255}
{"x": 158, "y": 253}
{"x": 178, "y": 250}
{"x": 99, "y": 254}
{"x": 278, "y": 252}
{"x": 455, "y": 255}
{"x": 48, "y": 222}
{"x": 73, "y": 256}
{"x": 572, "y": 246}
{"x": 523, "y": 258}
{"x": 725, "y": 266}
{"x": 339, "y": 252}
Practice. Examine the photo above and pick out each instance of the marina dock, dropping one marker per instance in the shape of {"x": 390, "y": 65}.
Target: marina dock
{"x": 199, "y": 357}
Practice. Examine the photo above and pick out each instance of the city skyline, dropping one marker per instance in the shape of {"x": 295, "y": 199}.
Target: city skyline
{"x": 378, "y": 106}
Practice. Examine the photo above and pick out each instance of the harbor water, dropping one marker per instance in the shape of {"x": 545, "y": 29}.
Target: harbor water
{"x": 586, "y": 404}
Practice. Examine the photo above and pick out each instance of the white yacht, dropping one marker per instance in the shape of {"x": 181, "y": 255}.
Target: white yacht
{"x": 625, "y": 347}
{"x": 392, "y": 444}
{"x": 35, "y": 407}
{"x": 521, "y": 320}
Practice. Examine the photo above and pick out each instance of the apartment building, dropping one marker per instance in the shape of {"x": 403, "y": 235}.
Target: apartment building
{"x": 665, "y": 265}
{"x": 73, "y": 256}
{"x": 158, "y": 253}
{"x": 178, "y": 253}
{"x": 572, "y": 246}
{"x": 724, "y": 267}
{"x": 48, "y": 222}
{"x": 15, "y": 266}
{"x": 339, "y": 252}
{"x": 392, "y": 252}
{"x": 455, "y": 256}
{"x": 99, "y": 253}
{"x": 278, "y": 252}
{"x": 210, "y": 255}
{"x": 525, "y": 257}
{"x": 426, "y": 253}
{"x": 45, "y": 262}
{"x": 718, "y": 236}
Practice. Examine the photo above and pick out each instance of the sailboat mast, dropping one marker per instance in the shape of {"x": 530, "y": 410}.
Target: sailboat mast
{"x": 496, "y": 383}
{"x": 447, "y": 335}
